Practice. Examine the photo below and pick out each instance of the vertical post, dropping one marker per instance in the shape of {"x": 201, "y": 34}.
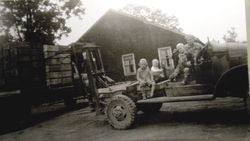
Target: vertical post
{"x": 94, "y": 91}
{"x": 77, "y": 65}
{"x": 92, "y": 84}
{"x": 248, "y": 37}
{"x": 167, "y": 60}
{"x": 165, "y": 71}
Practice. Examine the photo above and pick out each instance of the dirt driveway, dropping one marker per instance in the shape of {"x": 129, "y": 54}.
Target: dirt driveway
{"x": 221, "y": 119}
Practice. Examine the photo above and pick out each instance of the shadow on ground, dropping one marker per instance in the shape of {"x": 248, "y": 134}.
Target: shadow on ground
{"x": 219, "y": 112}
{"x": 232, "y": 116}
{"x": 50, "y": 112}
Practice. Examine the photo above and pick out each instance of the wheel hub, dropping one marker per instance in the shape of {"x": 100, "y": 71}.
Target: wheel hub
{"x": 119, "y": 113}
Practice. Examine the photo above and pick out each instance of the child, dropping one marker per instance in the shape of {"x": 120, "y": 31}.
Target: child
{"x": 156, "y": 71}
{"x": 145, "y": 77}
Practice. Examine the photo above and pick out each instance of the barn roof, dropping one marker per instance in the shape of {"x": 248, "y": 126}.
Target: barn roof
{"x": 134, "y": 18}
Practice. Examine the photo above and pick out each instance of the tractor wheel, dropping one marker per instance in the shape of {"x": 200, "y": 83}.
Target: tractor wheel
{"x": 121, "y": 112}
{"x": 150, "y": 108}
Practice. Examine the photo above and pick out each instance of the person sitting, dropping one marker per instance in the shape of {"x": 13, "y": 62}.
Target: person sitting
{"x": 145, "y": 78}
{"x": 156, "y": 71}
{"x": 178, "y": 50}
{"x": 183, "y": 66}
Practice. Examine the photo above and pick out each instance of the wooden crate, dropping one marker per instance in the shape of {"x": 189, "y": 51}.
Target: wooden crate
{"x": 55, "y": 61}
{"x": 31, "y": 65}
{"x": 59, "y": 81}
{"x": 58, "y": 66}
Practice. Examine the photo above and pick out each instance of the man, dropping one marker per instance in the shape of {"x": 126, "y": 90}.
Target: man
{"x": 176, "y": 51}
{"x": 186, "y": 55}
{"x": 183, "y": 65}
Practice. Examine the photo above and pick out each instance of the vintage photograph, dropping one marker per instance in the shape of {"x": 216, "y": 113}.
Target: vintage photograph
{"x": 124, "y": 70}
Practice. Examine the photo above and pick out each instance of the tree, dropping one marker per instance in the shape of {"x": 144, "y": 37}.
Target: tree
{"x": 38, "y": 21}
{"x": 153, "y": 16}
{"x": 230, "y": 36}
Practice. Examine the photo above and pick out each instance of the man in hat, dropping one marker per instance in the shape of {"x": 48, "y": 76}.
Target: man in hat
{"x": 180, "y": 55}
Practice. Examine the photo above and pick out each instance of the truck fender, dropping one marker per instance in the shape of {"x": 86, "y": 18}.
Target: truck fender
{"x": 233, "y": 82}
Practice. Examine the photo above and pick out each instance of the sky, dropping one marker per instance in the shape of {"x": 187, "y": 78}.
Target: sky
{"x": 201, "y": 18}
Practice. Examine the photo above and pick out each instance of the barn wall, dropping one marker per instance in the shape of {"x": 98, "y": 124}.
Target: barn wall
{"x": 118, "y": 34}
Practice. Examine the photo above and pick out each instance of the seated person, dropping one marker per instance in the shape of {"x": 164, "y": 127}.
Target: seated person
{"x": 176, "y": 52}
{"x": 156, "y": 71}
{"x": 145, "y": 78}
{"x": 183, "y": 66}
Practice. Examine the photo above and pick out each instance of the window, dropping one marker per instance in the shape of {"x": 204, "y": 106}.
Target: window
{"x": 128, "y": 62}
{"x": 165, "y": 57}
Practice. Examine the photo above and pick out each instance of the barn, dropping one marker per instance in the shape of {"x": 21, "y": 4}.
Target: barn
{"x": 124, "y": 40}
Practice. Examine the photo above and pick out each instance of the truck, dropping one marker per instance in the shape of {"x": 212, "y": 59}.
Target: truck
{"x": 222, "y": 72}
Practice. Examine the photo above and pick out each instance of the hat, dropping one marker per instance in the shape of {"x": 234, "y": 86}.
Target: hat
{"x": 179, "y": 46}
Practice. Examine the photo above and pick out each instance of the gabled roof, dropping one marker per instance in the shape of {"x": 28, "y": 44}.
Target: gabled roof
{"x": 134, "y": 18}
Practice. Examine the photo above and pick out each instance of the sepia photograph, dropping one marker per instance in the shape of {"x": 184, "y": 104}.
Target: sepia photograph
{"x": 127, "y": 70}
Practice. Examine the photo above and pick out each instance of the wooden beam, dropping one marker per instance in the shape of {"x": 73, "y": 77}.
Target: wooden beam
{"x": 178, "y": 99}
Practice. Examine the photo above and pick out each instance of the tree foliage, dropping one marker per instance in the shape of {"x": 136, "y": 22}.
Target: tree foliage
{"x": 230, "y": 36}
{"x": 153, "y": 16}
{"x": 38, "y": 21}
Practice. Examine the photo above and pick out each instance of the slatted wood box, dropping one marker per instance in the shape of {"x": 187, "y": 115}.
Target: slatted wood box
{"x": 58, "y": 66}
{"x": 35, "y": 66}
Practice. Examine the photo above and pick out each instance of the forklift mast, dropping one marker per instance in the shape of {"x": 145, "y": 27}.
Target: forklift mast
{"x": 88, "y": 65}
{"x": 88, "y": 56}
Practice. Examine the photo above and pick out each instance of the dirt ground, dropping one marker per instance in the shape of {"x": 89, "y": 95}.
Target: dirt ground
{"x": 221, "y": 119}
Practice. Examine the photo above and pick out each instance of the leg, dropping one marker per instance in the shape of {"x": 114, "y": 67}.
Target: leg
{"x": 152, "y": 89}
{"x": 143, "y": 93}
{"x": 176, "y": 72}
{"x": 186, "y": 75}
{"x": 142, "y": 86}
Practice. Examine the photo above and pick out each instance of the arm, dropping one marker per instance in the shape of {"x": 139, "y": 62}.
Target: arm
{"x": 162, "y": 73}
{"x": 151, "y": 76}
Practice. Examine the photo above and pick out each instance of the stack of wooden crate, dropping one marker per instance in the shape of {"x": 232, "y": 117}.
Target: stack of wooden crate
{"x": 8, "y": 70}
{"x": 30, "y": 64}
{"x": 58, "y": 66}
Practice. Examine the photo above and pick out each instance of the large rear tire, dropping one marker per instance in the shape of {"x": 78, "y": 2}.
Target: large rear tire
{"x": 121, "y": 112}
{"x": 148, "y": 108}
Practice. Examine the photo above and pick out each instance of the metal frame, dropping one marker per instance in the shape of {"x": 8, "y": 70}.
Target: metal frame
{"x": 160, "y": 57}
{"x": 133, "y": 61}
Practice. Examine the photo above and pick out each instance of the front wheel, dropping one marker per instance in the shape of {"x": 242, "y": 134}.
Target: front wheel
{"x": 121, "y": 112}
